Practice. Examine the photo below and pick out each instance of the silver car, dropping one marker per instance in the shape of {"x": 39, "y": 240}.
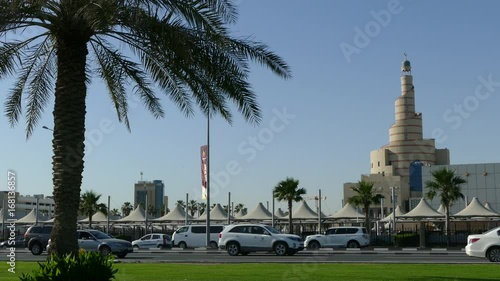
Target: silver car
{"x": 97, "y": 241}
{"x": 153, "y": 240}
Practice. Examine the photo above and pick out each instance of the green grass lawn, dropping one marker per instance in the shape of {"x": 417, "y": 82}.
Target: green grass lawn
{"x": 288, "y": 272}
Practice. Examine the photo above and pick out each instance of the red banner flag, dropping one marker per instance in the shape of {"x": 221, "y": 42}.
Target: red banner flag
{"x": 204, "y": 171}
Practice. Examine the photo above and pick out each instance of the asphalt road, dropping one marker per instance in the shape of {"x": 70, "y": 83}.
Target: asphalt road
{"x": 322, "y": 256}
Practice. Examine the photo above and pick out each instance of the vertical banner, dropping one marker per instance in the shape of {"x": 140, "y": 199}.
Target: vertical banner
{"x": 204, "y": 172}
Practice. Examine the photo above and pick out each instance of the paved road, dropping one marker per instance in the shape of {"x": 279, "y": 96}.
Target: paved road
{"x": 322, "y": 256}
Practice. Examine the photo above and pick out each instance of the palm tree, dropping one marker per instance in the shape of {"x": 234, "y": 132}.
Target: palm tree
{"x": 180, "y": 203}
{"x": 240, "y": 209}
{"x": 365, "y": 197}
{"x": 202, "y": 207}
{"x": 289, "y": 191}
{"x": 89, "y": 205}
{"x": 193, "y": 207}
{"x": 162, "y": 210}
{"x": 446, "y": 185}
{"x": 115, "y": 212}
{"x": 127, "y": 208}
{"x": 152, "y": 210}
{"x": 181, "y": 47}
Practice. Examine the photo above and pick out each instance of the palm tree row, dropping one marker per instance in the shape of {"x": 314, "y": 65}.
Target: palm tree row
{"x": 181, "y": 47}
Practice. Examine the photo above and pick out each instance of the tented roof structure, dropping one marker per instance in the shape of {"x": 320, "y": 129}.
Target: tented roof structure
{"x": 399, "y": 213}
{"x": 488, "y": 206}
{"x": 177, "y": 214}
{"x": 347, "y": 212}
{"x": 304, "y": 212}
{"x": 441, "y": 209}
{"x": 216, "y": 214}
{"x": 475, "y": 209}
{"x": 258, "y": 213}
{"x": 280, "y": 214}
{"x": 422, "y": 211}
{"x": 137, "y": 215}
{"x": 32, "y": 218}
{"x": 98, "y": 217}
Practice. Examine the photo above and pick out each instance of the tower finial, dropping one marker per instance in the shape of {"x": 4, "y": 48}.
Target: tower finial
{"x": 406, "y": 66}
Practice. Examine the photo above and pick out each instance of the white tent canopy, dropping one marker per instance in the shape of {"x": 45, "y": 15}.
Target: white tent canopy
{"x": 488, "y": 206}
{"x": 389, "y": 218}
{"x": 177, "y": 214}
{"x": 137, "y": 215}
{"x": 422, "y": 211}
{"x": 32, "y": 217}
{"x": 258, "y": 213}
{"x": 441, "y": 209}
{"x": 304, "y": 212}
{"x": 347, "y": 212}
{"x": 216, "y": 214}
{"x": 98, "y": 217}
{"x": 280, "y": 214}
{"x": 475, "y": 209}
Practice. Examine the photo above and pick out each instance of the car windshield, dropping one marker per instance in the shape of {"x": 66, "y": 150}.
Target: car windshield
{"x": 272, "y": 230}
{"x": 100, "y": 235}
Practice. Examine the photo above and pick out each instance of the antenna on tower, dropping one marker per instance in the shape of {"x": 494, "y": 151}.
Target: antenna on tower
{"x": 141, "y": 175}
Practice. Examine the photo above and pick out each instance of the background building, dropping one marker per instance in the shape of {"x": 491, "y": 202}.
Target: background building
{"x": 26, "y": 203}
{"x": 483, "y": 182}
{"x": 155, "y": 191}
{"x": 398, "y": 163}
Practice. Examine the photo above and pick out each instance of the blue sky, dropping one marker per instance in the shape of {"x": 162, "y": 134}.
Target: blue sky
{"x": 319, "y": 126}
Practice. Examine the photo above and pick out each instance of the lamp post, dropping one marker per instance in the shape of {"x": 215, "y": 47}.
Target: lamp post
{"x": 47, "y": 128}
{"x": 393, "y": 196}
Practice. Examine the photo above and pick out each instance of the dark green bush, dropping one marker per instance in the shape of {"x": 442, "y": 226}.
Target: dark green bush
{"x": 86, "y": 266}
{"x": 406, "y": 240}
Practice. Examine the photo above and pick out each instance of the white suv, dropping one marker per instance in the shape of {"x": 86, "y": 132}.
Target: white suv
{"x": 245, "y": 238}
{"x": 339, "y": 237}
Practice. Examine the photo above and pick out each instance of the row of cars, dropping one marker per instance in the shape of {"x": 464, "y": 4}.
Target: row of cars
{"x": 239, "y": 239}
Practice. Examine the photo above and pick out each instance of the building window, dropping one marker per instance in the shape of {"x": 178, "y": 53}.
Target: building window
{"x": 379, "y": 163}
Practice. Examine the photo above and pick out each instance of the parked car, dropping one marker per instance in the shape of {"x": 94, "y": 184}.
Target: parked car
{"x": 153, "y": 240}
{"x": 97, "y": 241}
{"x": 245, "y": 238}
{"x": 17, "y": 242}
{"x": 37, "y": 237}
{"x": 486, "y": 245}
{"x": 339, "y": 237}
{"x": 195, "y": 235}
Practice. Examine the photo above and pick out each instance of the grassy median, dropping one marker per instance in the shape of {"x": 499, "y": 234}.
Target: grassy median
{"x": 289, "y": 272}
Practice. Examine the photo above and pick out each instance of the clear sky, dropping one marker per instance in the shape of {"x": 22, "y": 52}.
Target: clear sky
{"x": 319, "y": 126}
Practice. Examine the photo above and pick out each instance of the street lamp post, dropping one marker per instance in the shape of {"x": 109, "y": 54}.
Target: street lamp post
{"x": 393, "y": 196}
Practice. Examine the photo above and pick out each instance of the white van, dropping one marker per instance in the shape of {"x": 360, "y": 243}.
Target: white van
{"x": 195, "y": 235}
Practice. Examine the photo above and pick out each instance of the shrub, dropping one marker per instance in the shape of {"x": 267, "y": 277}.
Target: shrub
{"x": 86, "y": 266}
{"x": 406, "y": 240}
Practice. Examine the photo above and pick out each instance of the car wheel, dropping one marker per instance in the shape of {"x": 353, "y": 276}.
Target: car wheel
{"x": 121, "y": 256}
{"x": 36, "y": 249}
{"x": 352, "y": 244}
{"x": 493, "y": 254}
{"x": 313, "y": 245}
{"x": 280, "y": 249}
{"x": 105, "y": 250}
{"x": 213, "y": 244}
{"x": 233, "y": 249}
{"x": 182, "y": 245}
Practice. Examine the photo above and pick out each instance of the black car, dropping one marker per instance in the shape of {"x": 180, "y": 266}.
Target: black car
{"x": 37, "y": 237}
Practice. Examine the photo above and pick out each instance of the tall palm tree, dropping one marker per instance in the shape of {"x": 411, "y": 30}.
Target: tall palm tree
{"x": 288, "y": 190}
{"x": 89, "y": 205}
{"x": 127, "y": 208}
{"x": 202, "y": 207}
{"x": 365, "y": 197}
{"x": 239, "y": 208}
{"x": 181, "y": 47}
{"x": 446, "y": 185}
{"x": 193, "y": 207}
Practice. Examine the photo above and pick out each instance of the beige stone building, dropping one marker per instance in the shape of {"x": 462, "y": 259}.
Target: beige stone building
{"x": 390, "y": 165}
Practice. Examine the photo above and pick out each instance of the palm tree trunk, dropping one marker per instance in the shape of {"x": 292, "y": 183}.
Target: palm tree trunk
{"x": 367, "y": 218}
{"x": 68, "y": 141}
{"x": 290, "y": 217}
{"x": 447, "y": 226}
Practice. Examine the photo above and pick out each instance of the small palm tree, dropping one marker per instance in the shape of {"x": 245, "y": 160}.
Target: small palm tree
{"x": 152, "y": 210}
{"x": 289, "y": 191}
{"x": 239, "y": 208}
{"x": 365, "y": 197}
{"x": 202, "y": 207}
{"x": 193, "y": 207}
{"x": 89, "y": 205}
{"x": 446, "y": 185}
{"x": 127, "y": 208}
{"x": 180, "y": 203}
{"x": 115, "y": 212}
{"x": 162, "y": 210}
